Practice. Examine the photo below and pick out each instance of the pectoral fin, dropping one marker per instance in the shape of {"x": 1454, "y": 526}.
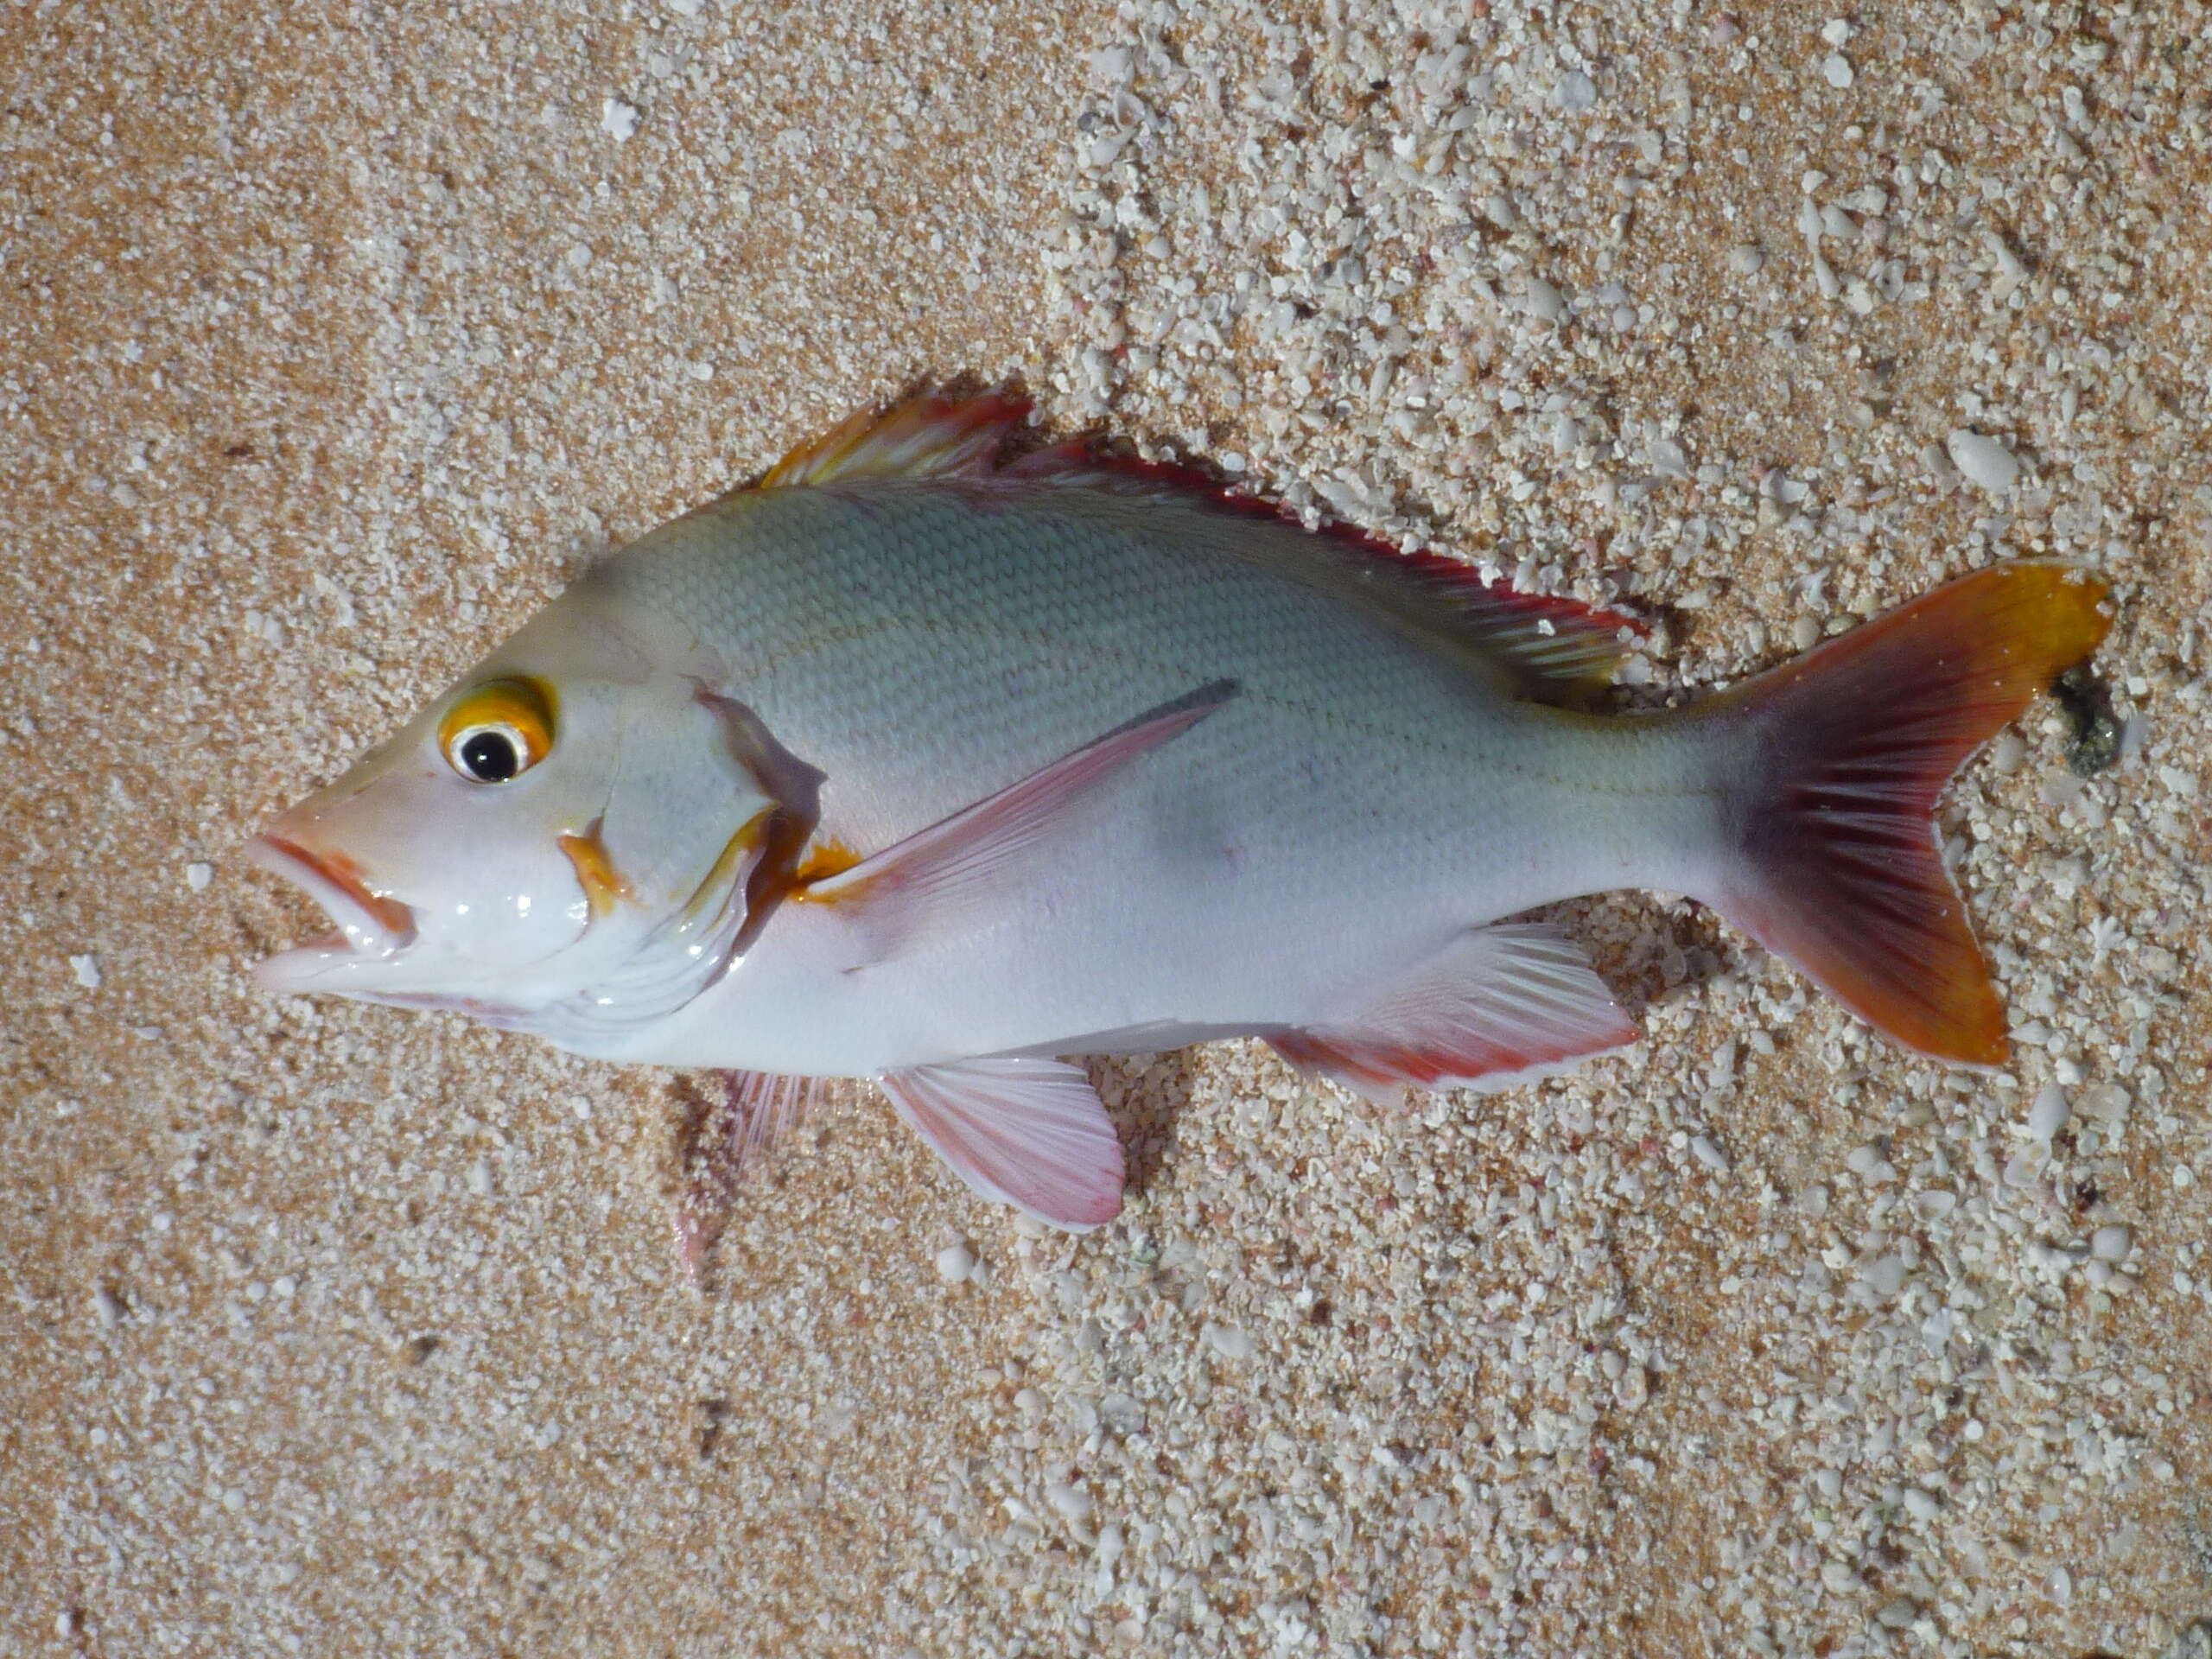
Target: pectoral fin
{"x": 1025, "y": 1132}
{"x": 1498, "y": 1005}
{"x": 935, "y": 873}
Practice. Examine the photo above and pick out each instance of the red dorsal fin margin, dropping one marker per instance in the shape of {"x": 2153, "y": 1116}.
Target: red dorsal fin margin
{"x": 1554, "y": 649}
{"x": 1549, "y": 649}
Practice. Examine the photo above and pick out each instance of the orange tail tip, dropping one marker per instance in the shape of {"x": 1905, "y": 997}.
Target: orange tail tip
{"x": 1839, "y": 867}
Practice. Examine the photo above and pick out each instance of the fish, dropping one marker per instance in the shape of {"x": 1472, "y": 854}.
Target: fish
{"x": 927, "y": 760}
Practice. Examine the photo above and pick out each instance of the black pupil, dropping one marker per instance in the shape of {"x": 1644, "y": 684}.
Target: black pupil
{"x": 490, "y": 757}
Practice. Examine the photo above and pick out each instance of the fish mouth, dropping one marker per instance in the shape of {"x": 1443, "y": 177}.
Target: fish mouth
{"x": 371, "y": 927}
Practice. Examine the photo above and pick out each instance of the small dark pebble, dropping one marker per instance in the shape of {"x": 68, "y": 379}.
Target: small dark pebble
{"x": 2093, "y": 744}
{"x": 707, "y": 1418}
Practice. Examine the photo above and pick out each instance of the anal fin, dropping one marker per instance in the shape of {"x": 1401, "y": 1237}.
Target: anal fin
{"x": 1030, "y": 1133}
{"x": 1498, "y": 1005}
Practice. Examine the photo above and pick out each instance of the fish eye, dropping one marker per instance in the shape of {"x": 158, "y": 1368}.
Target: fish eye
{"x": 498, "y": 731}
{"x": 490, "y": 754}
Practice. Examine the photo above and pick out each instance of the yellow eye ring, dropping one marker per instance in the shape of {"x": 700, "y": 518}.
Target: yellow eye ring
{"x": 498, "y": 731}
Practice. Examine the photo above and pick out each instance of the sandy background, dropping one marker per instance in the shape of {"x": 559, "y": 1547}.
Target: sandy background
{"x": 328, "y": 348}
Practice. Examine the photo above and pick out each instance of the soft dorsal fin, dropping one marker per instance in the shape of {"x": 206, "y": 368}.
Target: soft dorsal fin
{"x": 1545, "y": 648}
{"x": 927, "y": 436}
{"x": 1550, "y": 648}
{"x": 1554, "y": 649}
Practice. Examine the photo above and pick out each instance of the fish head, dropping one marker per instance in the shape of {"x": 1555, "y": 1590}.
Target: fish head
{"x": 565, "y": 834}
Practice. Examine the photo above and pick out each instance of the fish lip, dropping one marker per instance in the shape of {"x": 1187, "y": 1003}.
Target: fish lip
{"x": 371, "y": 925}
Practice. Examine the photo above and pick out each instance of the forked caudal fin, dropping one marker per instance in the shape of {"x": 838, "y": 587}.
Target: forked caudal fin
{"x": 1837, "y": 864}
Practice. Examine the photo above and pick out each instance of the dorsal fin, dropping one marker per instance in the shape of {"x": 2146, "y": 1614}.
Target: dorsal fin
{"x": 1554, "y": 649}
{"x": 927, "y": 436}
{"x": 1547, "y": 649}
{"x": 1551, "y": 649}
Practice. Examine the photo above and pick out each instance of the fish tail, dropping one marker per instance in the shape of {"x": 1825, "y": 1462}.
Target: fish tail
{"x": 1837, "y": 864}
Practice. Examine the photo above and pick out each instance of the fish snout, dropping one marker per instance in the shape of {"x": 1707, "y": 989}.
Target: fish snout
{"x": 371, "y": 924}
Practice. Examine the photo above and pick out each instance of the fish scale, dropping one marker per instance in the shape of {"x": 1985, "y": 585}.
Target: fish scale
{"x": 1109, "y": 606}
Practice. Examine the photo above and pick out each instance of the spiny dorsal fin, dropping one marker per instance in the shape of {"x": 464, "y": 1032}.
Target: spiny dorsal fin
{"x": 1545, "y": 649}
{"x": 927, "y": 436}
